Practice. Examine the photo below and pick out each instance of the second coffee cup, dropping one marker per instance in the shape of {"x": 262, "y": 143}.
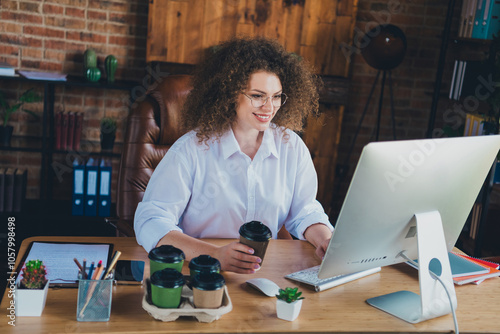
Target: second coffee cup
{"x": 256, "y": 235}
{"x": 165, "y": 256}
{"x": 203, "y": 264}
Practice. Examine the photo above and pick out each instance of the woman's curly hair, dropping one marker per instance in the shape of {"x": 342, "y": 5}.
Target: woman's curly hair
{"x": 210, "y": 107}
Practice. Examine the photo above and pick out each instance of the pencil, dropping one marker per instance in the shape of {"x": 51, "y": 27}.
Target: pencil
{"x": 98, "y": 270}
{"x": 91, "y": 269}
{"x": 79, "y": 265}
{"x": 84, "y": 273}
{"x": 112, "y": 264}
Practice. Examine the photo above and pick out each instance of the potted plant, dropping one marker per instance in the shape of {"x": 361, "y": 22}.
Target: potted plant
{"x": 31, "y": 292}
{"x": 6, "y": 110}
{"x": 289, "y": 303}
{"x": 108, "y": 133}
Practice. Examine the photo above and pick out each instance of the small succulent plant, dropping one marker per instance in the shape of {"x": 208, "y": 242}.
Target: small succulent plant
{"x": 289, "y": 295}
{"x": 34, "y": 275}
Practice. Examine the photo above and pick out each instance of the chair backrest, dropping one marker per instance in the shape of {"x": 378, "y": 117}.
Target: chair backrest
{"x": 153, "y": 125}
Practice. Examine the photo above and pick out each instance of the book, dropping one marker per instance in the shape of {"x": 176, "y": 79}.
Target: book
{"x": 463, "y": 19}
{"x": 104, "y": 208}
{"x": 473, "y": 125}
{"x": 7, "y": 70}
{"x": 488, "y": 20}
{"x": 78, "y": 193}
{"x": 64, "y": 130}
{"x": 20, "y": 180}
{"x": 460, "y": 267}
{"x": 71, "y": 131}
{"x": 78, "y": 131}
{"x": 491, "y": 267}
{"x": 91, "y": 182}
{"x": 49, "y": 76}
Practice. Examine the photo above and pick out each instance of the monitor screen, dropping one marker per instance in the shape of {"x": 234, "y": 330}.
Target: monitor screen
{"x": 397, "y": 179}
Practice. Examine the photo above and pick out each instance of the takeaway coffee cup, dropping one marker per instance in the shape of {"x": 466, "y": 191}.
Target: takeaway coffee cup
{"x": 256, "y": 235}
{"x": 203, "y": 264}
{"x": 165, "y": 256}
{"x": 166, "y": 288}
{"x": 208, "y": 290}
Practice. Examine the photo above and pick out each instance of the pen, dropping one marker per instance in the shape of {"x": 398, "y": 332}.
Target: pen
{"x": 98, "y": 270}
{"x": 84, "y": 274}
{"x": 112, "y": 264}
{"x": 91, "y": 269}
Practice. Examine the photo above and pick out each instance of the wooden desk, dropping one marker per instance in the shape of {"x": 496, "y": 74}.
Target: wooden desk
{"x": 341, "y": 309}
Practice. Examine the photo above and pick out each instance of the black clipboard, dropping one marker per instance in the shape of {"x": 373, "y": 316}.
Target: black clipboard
{"x": 69, "y": 283}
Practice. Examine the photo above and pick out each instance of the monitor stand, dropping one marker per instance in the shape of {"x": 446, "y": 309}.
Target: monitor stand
{"x": 433, "y": 301}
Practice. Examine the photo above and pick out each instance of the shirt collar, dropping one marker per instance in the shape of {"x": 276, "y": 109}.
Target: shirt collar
{"x": 229, "y": 144}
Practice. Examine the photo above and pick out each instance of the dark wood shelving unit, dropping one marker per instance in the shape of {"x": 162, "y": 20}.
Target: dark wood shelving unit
{"x": 45, "y": 144}
{"x": 474, "y": 246}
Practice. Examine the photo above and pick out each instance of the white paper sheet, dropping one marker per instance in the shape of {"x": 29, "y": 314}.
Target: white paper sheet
{"x": 58, "y": 259}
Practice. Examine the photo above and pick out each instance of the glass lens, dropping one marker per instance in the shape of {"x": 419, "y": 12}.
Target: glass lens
{"x": 259, "y": 101}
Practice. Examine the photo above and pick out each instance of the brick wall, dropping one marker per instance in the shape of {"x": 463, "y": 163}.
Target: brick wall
{"x": 413, "y": 80}
{"x": 53, "y": 34}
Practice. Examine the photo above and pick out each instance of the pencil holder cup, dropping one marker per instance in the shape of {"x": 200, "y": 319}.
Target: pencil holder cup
{"x": 94, "y": 300}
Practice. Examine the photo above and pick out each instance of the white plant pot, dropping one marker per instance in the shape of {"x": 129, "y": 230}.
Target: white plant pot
{"x": 31, "y": 302}
{"x": 288, "y": 311}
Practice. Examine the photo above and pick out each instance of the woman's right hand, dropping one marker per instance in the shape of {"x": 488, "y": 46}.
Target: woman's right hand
{"x": 238, "y": 258}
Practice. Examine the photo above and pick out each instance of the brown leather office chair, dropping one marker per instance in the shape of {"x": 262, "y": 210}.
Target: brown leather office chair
{"x": 153, "y": 125}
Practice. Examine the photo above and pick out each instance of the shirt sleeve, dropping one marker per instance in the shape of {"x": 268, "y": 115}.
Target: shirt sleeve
{"x": 164, "y": 202}
{"x": 305, "y": 210}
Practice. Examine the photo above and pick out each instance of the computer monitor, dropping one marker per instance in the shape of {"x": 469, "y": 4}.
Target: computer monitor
{"x": 405, "y": 193}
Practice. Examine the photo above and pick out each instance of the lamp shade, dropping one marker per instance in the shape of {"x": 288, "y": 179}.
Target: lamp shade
{"x": 385, "y": 47}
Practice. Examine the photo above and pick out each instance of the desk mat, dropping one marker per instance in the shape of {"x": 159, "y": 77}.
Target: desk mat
{"x": 186, "y": 308}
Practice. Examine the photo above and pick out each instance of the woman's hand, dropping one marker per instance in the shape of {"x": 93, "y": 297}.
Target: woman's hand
{"x": 319, "y": 236}
{"x": 321, "y": 248}
{"x": 238, "y": 258}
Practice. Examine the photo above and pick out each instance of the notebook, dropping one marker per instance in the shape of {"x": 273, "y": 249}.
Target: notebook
{"x": 459, "y": 266}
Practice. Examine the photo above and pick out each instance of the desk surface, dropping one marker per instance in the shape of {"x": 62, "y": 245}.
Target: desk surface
{"x": 340, "y": 309}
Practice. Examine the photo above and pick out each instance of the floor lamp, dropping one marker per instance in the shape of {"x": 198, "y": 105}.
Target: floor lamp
{"x": 383, "y": 48}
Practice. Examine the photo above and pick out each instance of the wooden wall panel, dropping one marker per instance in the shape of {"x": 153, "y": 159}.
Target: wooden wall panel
{"x": 181, "y": 30}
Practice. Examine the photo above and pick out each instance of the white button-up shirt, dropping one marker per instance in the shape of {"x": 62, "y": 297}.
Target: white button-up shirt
{"x": 210, "y": 191}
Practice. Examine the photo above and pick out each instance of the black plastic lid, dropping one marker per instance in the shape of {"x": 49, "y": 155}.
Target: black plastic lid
{"x": 167, "y": 278}
{"x": 205, "y": 263}
{"x": 208, "y": 281}
{"x": 255, "y": 231}
{"x": 166, "y": 254}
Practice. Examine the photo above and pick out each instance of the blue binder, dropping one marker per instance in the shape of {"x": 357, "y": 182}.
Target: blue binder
{"x": 104, "y": 206}
{"x": 78, "y": 187}
{"x": 489, "y": 20}
{"x": 91, "y": 182}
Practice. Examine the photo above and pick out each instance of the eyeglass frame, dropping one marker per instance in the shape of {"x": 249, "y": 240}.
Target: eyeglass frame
{"x": 267, "y": 99}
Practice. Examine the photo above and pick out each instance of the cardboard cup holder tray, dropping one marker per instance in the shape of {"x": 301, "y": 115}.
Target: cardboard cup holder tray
{"x": 186, "y": 308}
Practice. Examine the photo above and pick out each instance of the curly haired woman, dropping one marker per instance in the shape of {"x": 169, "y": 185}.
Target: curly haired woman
{"x": 240, "y": 159}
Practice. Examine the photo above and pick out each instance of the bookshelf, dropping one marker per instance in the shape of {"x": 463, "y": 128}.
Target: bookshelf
{"x": 44, "y": 145}
{"x": 463, "y": 47}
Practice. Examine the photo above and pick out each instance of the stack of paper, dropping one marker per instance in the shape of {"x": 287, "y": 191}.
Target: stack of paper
{"x": 466, "y": 269}
{"x": 491, "y": 267}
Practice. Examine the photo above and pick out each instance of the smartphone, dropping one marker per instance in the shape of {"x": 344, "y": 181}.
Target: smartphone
{"x": 129, "y": 272}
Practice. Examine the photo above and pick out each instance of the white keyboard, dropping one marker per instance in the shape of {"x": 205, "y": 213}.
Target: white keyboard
{"x": 310, "y": 276}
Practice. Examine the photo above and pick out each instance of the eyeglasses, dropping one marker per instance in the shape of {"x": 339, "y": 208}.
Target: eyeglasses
{"x": 260, "y": 100}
